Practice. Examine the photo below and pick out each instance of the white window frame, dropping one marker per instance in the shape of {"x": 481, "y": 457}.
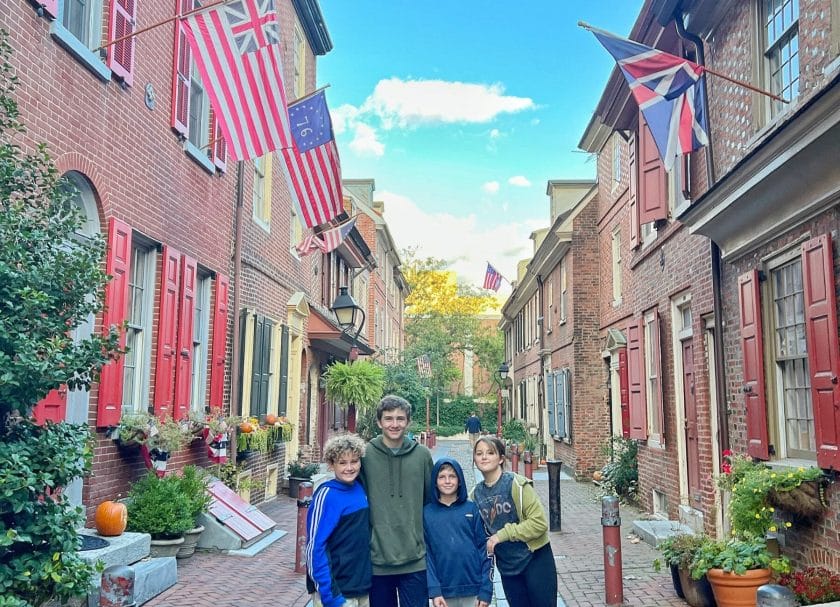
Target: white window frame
{"x": 548, "y": 322}
{"x": 261, "y": 199}
{"x": 295, "y": 231}
{"x": 199, "y": 115}
{"x": 616, "y": 266}
{"x": 564, "y": 285}
{"x": 91, "y": 38}
{"x": 655, "y": 434}
{"x": 616, "y": 161}
{"x": 200, "y": 339}
{"x": 136, "y": 376}
{"x": 773, "y": 44}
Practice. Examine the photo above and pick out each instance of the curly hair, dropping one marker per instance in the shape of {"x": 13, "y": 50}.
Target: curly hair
{"x": 340, "y": 444}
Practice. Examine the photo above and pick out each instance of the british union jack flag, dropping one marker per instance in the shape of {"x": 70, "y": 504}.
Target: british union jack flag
{"x": 252, "y": 30}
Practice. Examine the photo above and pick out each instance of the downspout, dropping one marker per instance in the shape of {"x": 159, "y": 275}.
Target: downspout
{"x": 235, "y": 366}
{"x": 541, "y": 323}
{"x": 714, "y": 251}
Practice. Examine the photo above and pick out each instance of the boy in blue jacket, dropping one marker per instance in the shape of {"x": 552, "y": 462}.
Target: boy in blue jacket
{"x": 338, "y": 567}
{"x": 458, "y": 569}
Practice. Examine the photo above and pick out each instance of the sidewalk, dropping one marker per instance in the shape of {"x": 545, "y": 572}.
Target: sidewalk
{"x": 269, "y": 580}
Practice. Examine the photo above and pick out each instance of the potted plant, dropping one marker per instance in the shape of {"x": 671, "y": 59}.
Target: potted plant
{"x": 354, "y": 386}
{"x": 158, "y": 506}
{"x": 164, "y": 438}
{"x": 678, "y": 552}
{"x": 736, "y": 568}
{"x": 253, "y": 437}
{"x": 813, "y": 585}
{"x": 193, "y": 484}
{"x": 133, "y": 429}
{"x": 300, "y": 472}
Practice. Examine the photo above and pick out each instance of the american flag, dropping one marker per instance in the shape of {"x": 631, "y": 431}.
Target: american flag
{"x": 310, "y": 244}
{"x": 236, "y": 47}
{"x": 312, "y": 163}
{"x": 492, "y": 279}
{"x": 333, "y": 238}
{"x": 424, "y": 366}
{"x": 669, "y": 91}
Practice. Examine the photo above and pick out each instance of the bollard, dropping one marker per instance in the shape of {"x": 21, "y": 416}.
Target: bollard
{"x": 514, "y": 458}
{"x": 611, "y": 523}
{"x": 773, "y": 595}
{"x": 117, "y": 589}
{"x": 529, "y": 471}
{"x": 304, "y": 499}
{"x": 555, "y": 521}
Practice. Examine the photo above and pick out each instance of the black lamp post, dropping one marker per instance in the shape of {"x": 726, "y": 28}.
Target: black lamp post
{"x": 347, "y": 311}
{"x": 501, "y": 377}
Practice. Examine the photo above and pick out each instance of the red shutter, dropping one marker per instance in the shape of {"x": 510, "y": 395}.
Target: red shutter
{"x": 109, "y": 405}
{"x": 179, "y": 118}
{"x": 633, "y": 201}
{"x": 220, "y": 320}
{"x": 50, "y": 8}
{"x": 183, "y": 368}
{"x": 653, "y": 180}
{"x": 752, "y": 349}
{"x": 219, "y": 144}
{"x": 624, "y": 388}
{"x": 636, "y": 379}
{"x": 53, "y": 407}
{"x": 656, "y": 353}
{"x": 167, "y": 332}
{"x": 121, "y": 55}
{"x": 823, "y": 346}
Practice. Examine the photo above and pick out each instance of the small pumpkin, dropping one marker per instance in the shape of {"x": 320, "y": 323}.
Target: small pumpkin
{"x": 597, "y": 475}
{"x": 246, "y": 428}
{"x": 270, "y": 419}
{"x": 110, "y": 518}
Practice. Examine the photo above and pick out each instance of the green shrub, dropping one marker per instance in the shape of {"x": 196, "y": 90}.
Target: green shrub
{"x": 621, "y": 474}
{"x": 193, "y": 481}
{"x": 159, "y": 507}
{"x": 514, "y": 430}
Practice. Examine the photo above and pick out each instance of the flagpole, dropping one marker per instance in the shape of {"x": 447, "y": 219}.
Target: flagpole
{"x": 740, "y": 83}
{"x": 159, "y": 23}
{"x": 312, "y": 94}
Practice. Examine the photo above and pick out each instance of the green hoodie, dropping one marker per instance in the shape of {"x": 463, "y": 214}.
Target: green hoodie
{"x": 397, "y": 485}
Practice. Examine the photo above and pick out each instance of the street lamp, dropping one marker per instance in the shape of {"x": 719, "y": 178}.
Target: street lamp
{"x": 346, "y": 311}
{"x": 501, "y": 377}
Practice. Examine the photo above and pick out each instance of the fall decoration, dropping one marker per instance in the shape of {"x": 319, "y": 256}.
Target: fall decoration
{"x": 110, "y": 518}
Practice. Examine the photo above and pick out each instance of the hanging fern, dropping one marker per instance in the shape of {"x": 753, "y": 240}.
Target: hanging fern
{"x": 360, "y": 383}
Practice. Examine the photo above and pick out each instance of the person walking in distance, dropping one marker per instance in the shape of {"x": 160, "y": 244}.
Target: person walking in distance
{"x": 518, "y": 528}
{"x": 473, "y": 428}
{"x": 396, "y": 472}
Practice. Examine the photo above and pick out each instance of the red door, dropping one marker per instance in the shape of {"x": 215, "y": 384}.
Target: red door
{"x": 692, "y": 451}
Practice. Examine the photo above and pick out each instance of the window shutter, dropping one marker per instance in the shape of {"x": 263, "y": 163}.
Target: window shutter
{"x": 549, "y": 401}
{"x": 633, "y": 194}
{"x": 636, "y": 379}
{"x": 219, "y": 355}
{"x": 53, "y": 407}
{"x": 167, "y": 339}
{"x": 567, "y": 423}
{"x": 823, "y": 346}
{"x": 560, "y": 403}
{"x": 752, "y": 349}
{"x": 219, "y": 143}
{"x": 284, "y": 370}
{"x": 121, "y": 55}
{"x": 50, "y": 8}
{"x": 624, "y": 392}
{"x": 656, "y": 352}
{"x": 653, "y": 180}
{"x": 181, "y": 78}
{"x": 186, "y": 315}
{"x": 261, "y": 370}
{"x": 109, "y": 400}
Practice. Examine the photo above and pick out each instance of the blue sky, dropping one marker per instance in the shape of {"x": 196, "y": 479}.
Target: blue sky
{"x": 462, "y": 111}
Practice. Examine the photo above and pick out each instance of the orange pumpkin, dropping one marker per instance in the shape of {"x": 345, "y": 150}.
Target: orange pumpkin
{"x": 246, "y": 428}
{"x": 270, "y": 418}
{"x": 110, "y": 518}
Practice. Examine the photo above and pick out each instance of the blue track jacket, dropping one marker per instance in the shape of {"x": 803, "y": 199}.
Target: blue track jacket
{"x": 338, "y": 549}
{"x": 456, "y": 544}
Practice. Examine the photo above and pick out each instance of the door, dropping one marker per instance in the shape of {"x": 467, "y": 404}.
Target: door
{"x": 692, "y": 450}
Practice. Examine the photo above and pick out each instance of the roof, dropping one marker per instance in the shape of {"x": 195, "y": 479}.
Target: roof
{"x": 312, "y": 21}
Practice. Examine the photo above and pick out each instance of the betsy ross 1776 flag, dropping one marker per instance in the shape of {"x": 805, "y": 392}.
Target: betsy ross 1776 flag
{"x": 492, "y": 279}
{"x": 236, "y": 48}
{"x": 312, "y": 163}
{"x": 669, "y": 91}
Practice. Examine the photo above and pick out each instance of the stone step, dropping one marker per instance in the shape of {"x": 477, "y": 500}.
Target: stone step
{"x": 655, "y": 531}
{"x": 122, "y": 549}
{"x": 151, "y": 577}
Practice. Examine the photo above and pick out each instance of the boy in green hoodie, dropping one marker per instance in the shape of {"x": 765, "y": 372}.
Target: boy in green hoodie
{"x": 395, "y": 473}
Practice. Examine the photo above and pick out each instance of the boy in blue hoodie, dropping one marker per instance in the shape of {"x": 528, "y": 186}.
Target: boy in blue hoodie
{"x": 458, "y": 569}
{"x": 338, "y": 567}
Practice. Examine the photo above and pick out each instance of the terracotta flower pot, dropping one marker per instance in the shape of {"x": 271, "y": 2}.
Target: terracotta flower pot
{"x": 733, "y": 590}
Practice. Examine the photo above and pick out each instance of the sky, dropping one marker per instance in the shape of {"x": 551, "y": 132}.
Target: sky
{"x": 461, "y": 112}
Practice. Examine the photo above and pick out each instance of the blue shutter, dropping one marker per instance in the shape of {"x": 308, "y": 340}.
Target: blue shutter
{"x": 549, "y": 397}
{"x": 560, "y": 390}
{"x": 568, "y": 421}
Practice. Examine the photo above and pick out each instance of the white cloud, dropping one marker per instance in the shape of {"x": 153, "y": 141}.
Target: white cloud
{"x": 519, "y": 181}
{"x": 365, "y": 141}
{"x": 409, "y": 103}
{"x": 460, "y": 240}
{"x": 494, "y": 133}
{"x": 343, "y": 117}
{"x": 491, "y": 187}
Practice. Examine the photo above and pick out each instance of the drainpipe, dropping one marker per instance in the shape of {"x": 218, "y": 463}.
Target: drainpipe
{"x": 541, "y": 323}
{"x": 235, "y": 367}
{"x": 714, "y": 251}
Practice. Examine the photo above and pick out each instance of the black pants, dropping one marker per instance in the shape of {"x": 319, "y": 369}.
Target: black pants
{"x": 536, "y": 586}
{"x": 411, "y": 587}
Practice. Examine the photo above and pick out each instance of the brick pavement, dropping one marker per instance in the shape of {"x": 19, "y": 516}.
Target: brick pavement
{"x": 269, "y": 580}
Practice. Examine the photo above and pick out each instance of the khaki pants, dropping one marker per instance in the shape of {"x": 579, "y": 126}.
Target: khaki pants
{"x": 356, "y": 601}
{"x": 474, "y": 439}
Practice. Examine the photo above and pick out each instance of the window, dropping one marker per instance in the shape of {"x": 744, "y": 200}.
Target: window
{"x": 616, "y": 161}
{"x": 652, "y": 392}
{"x": 299, "y": 61}
{"x": 563, "y": 289}
{"x": 793, "y": 385}
{"x": 616, "y": 266}
{"x": 549, "y": 296}
{"x": 201, "y": 335}
{"x": 262, "y": 191}
{"x": 199, "y": 121}
{"x": 258, "y": 336}
{"x": 780, "y": 22}
{"x": 83, "y": 19}
{"x": 138, "y": 338}
{"x": 295, "y": 230}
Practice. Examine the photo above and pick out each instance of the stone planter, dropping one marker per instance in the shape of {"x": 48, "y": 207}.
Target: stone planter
{"x": 294, "y": 485}
{"x": 187, "y": 549}
{"x": 161, "y": 548}
{"x": 732, "y": 590}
